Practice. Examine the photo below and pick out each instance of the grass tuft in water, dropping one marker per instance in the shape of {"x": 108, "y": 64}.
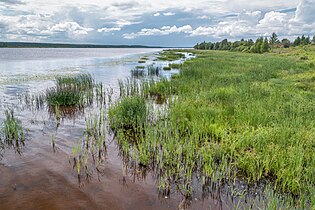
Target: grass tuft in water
{"x": 72, "y": 90}
{"x": 12, "y": 131}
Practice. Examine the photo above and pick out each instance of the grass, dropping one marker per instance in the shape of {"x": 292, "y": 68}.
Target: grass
{"x": 128, "y": 114}
{"x": 170, "y": 55}
{"x": 229, "y": 116}
{"x": 71, "y": 90}
{"x": 12, "y": 131}
{"x": 153, "y": 70}
{"x": 167, "y": 68}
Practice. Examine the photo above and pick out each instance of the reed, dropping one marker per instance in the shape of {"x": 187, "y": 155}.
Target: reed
{"x": 12, "y": 131}
{"x": 71, "y": 90}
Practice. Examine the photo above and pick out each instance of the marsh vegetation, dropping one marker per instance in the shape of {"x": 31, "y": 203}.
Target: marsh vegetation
{"x": 229, "y": 123}
{"x": 242, "y": 119}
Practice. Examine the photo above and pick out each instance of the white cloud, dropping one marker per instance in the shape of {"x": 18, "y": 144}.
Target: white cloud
{"x": 305, "y": 12}
{"x": 121, "y": 23}
{"x": 223, "y": 29}
{"x": 107, "y": 30}
{"x": 168, "y": 13}
{"x": 165, "y": 30}
{"x": 72, "y": 28}
{"x": 49, "y": 19}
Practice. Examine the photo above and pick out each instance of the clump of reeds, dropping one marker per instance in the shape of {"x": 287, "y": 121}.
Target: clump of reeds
{"x": 129, "y": 114}
{"x": 81, "y": 82}
{"x": 137, "y": 72}
{"x": 12, "y": 130}
{"x": 72, "y": 90}
{"x": 154, "y": 70}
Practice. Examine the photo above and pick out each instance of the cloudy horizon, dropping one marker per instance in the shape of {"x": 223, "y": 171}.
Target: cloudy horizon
{"x": 155, "y": 23}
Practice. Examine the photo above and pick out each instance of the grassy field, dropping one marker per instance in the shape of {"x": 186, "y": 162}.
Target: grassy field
{"x": 227, "y": 116}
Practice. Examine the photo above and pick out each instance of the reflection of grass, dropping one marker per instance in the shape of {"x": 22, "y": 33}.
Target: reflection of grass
{"x": 153, "y": 70}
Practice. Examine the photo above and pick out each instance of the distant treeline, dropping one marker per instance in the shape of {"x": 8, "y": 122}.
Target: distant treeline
{"x": 53, "y": 45}
{"x": 261, "y": 45}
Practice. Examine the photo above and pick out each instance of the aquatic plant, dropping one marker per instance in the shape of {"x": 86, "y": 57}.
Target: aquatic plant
{"x": 71, "y": 90}
{"x": 153, "y": 70}
{"x": 128, "y": 114}
{"x": 80, "y": 82}
{"x": 170, "y": 55}
{"x": 12, "y": 131}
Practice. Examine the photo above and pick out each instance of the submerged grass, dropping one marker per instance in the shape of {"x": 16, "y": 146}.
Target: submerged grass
{"x": 229, "y": 116}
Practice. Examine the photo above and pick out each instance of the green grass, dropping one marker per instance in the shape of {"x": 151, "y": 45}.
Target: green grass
{"x": 78, "y": 82}
{"x": 12, "y": 131}
{"x": 170, "y": 55}
{"x": 153, "y": 70}
{"x": 230, "y": 116}
{"x": 128, "y": 114}
{"x": 71, "y": 90}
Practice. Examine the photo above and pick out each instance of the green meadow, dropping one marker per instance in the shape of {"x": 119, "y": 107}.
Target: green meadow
{"x": 227, "y": 117}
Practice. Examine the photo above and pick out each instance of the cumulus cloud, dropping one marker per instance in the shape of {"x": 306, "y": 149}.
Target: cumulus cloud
{"x": 165, "y": 30}
{"x": 131, "y": 20}
{"x": 223, "y": 29}
{"x": 70, "y": 27}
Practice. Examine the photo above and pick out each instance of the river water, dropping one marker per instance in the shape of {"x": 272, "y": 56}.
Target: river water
{"x": 42, "y": 177}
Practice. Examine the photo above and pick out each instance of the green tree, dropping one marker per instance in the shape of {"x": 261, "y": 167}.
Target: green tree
{"x": 297, "y": 41}
{"x": 286, "y": 43}
{"x": 273, "y": 39}
{"x": 264, "y": 47}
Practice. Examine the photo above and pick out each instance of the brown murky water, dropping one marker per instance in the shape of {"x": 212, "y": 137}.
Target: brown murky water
{"x": 41, "y": 177}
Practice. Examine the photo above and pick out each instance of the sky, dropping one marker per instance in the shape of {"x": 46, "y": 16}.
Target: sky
{"x": 157, "y": 22}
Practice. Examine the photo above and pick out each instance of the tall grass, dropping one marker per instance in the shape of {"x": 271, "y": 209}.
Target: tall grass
{"x": 71, "y": 90}
{"x": 243, "y": 116}
{"x": 12, "y": 133}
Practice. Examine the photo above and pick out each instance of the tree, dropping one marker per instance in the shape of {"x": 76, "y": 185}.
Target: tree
{"x": 273, "y": 39}
{"x": 308, "y": 40}
{"x": 286, "y": 43}
{"x": 303, "y": 40}
{"x": 313, "y": 41}
{"x": 264, "y": 47}
{"x": 297, "y": 41}
{"x": 258, "y": 46}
